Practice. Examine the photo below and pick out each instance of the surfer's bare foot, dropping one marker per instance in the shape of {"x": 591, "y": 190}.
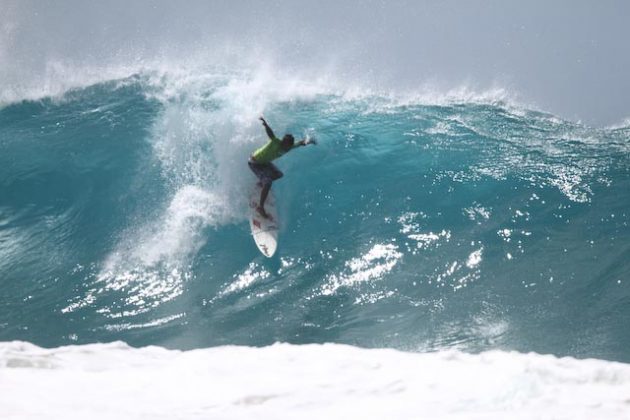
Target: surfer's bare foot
{"x": 262, "y": 212}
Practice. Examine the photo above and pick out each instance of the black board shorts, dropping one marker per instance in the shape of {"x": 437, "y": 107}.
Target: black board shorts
{"x": 265, "y": 172}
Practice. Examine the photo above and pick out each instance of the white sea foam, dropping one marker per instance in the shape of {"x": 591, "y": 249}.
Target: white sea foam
{"x": 474, "y": 258}
{"x": 410, "y": 226}
{"x": 105, "y": 381}
{"x": 478, "y": 213}
{"x": 374, "y": 264}
{"x": 150, "y": 264}
{"x": 252, "y": 274}
{"x": 623, "y": 124}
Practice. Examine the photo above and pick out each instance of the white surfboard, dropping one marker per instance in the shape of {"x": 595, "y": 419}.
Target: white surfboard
{"x": 264, "y": 230}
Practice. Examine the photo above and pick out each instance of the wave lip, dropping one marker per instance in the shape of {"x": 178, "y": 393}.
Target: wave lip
{"x": 285, "y": 381}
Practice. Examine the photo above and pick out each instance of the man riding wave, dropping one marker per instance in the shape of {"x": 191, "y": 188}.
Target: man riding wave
{"x": 260, "y": 161}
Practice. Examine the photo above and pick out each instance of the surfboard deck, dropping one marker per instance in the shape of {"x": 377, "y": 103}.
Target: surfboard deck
{"x": 264, "y": 231}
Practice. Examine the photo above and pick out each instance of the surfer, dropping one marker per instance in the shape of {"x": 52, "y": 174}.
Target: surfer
{"x": 260, "y": 161}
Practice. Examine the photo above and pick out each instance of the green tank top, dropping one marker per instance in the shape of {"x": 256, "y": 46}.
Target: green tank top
{"x": 270, "y": 151}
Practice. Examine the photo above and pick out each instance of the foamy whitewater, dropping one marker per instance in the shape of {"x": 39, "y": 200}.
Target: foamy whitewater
{"x": 447, "y": 253}
{"x": 283, "y": 381}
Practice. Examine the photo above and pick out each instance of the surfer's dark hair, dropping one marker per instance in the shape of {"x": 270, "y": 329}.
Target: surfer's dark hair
{"x": 288, "y": 139}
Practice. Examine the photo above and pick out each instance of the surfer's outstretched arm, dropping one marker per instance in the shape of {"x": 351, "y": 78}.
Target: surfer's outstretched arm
{"x": 267, "y": 128}
{"x": 306, "y": 141}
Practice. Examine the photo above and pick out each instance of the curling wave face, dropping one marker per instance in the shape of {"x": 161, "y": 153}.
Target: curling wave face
{"x": 422, "y": 223}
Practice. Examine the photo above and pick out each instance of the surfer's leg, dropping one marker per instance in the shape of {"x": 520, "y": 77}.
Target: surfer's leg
{"x": 266, "y": 174}
{"x": 274, "y": 172}
{"x": 261, "y": 171}
{"x": 256, "y": 169}
{"x": 263, "y": 197}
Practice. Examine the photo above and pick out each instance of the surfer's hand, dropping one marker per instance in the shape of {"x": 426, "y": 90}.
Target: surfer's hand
{"x": 263, "y": 120}
{"x": 310, "y": 141}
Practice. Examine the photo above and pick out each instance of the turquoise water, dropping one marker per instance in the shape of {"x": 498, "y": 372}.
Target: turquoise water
{"x": 418, "y": 224}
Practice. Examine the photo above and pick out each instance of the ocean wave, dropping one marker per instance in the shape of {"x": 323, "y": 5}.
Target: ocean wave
{"x": 408, "y": 220}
